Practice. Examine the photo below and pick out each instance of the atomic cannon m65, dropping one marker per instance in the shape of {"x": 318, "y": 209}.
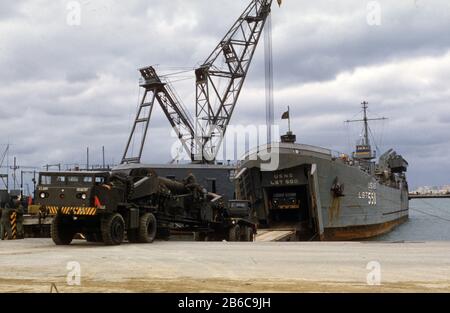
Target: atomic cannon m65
{"x": 138, "y": 205}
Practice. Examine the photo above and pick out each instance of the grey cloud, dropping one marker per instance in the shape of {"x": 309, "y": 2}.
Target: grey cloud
{"x": 64, "y": 88}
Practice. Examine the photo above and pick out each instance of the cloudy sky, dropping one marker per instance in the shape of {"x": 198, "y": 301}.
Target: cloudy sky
{"x": 64, "y": 87}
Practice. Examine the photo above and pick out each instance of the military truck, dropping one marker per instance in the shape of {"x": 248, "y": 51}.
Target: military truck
{"x": 4, "y": 197}
{"x": 138, "y": 205}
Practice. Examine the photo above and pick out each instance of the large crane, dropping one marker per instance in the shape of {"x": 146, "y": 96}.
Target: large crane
{"x": 219, "y": 81}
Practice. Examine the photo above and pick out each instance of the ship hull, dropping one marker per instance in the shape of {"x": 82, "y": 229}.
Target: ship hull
{"x": 364, "y": 207}
{"x": 362, "y": 231}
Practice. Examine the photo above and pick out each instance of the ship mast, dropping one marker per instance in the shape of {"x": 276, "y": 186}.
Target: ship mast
{"x": 366, "y": 123}
{"x": 364, "y": 150}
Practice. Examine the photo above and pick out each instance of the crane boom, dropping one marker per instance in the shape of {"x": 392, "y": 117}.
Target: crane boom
{"x": 220, "y": 79}
{"x": 219, "y": 82}
{"x": 156, "y": 89}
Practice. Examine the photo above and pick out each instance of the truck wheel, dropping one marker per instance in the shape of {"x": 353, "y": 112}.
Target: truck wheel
{"x": 163, "y": 234}
{"x": 93, "y": 237}
{"x": 248, "y": 234}
{"x": 113, "y": 229}
{"x": 234, "y": 233}
{"x": 133, "y": 236}
{"x": 147, "y": 228}
{"x": 62, "y": 230}
{"x": 199, "y": 236}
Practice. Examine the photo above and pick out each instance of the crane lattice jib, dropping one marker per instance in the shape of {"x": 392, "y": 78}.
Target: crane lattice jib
{"x": 220, "y": 79}
{"x": 218, "y": 85}
{"x": 161, "y": 91}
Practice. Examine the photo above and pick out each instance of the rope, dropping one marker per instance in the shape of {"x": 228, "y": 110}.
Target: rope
{"x": 430, "y": 214}
{"x": 423, "y": 212}
{"x": 374, "y": 140}
{"x": 176, "y": 73}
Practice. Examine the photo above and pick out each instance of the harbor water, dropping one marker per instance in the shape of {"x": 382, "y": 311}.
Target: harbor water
{"x": 429, "y": 220}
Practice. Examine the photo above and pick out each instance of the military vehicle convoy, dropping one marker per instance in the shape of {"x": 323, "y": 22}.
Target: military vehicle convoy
{"x": 138, "y": 205}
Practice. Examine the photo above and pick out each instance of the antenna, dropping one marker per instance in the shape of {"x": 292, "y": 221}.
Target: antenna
{"x": 364, "y": 150}
{"x": 103, "y": 157}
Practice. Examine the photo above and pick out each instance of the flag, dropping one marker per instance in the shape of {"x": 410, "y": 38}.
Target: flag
{"x": 285, "y": 116}
{"x": 280, "y": 2}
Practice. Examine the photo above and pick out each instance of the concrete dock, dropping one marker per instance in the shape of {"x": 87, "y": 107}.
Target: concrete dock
{"x": 33, "y": 265}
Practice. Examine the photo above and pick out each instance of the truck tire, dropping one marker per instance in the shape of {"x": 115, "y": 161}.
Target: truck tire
{"x": 199, "y": 236}
{"x": 147, "y": 228}
{"x": 113, "y": 229}
{"x": 93, "y": 237}
{"x": 133, "y": 236}
{"x": 234, "y": 233}
{"x": 247, "y": 234}
{"x": 62, "y": 230}
{"x": 163, "y": 234}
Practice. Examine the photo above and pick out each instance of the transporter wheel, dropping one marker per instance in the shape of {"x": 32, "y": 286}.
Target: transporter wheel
{"x": 147, "y": 228}
{"x": 200, "y": 236}
{"x": 113, "y": 229}
{"x": 247, "y": 234}
{"x": 133, "y": 236}
{"x": 93, "y": 237}
{"x": 163, "y": 233}
{"x": 62, "y": 230}
{"x": 234, "y": 233}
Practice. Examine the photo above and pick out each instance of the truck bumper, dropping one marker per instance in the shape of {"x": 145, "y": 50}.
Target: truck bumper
{"x": 74, "y": 211}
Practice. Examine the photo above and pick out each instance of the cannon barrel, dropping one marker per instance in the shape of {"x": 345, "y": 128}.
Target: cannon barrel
{"x": 175, "y": 187}
{"x": 153, "y": 184}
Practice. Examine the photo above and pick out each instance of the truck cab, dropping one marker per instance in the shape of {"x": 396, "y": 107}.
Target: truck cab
{"x": 73, "y": 193}
{"x": 86, "y": 203}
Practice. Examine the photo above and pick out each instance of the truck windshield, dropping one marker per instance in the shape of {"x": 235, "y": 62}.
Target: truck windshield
{"x": 100, "y": 180}
{"x": 66, "y": 180}
{"x": 79, "y": 180}
{"x": 45, "y": 180}
{"x": 52, "y": 180}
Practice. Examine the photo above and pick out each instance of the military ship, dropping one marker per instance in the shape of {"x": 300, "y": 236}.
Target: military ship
{"x": 323, "y": 196}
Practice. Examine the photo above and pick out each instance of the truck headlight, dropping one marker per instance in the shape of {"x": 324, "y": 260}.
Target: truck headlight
{"x": 43, "y": 195}
{"x": 83, "y": 196}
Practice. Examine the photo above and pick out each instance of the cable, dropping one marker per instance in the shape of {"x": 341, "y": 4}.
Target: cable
{"x": 374, "y": 140}
{"x": 433, "y": 207}
{"x": 181, "y": 79}
{"x": 423, "y": 212}
{"x": 177, "y": 73}
{"x": 268, "y": 58}
{"x": 432, "y": 215}
{"x": 175, "y": 68}
{"x": 383, "y": 129}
